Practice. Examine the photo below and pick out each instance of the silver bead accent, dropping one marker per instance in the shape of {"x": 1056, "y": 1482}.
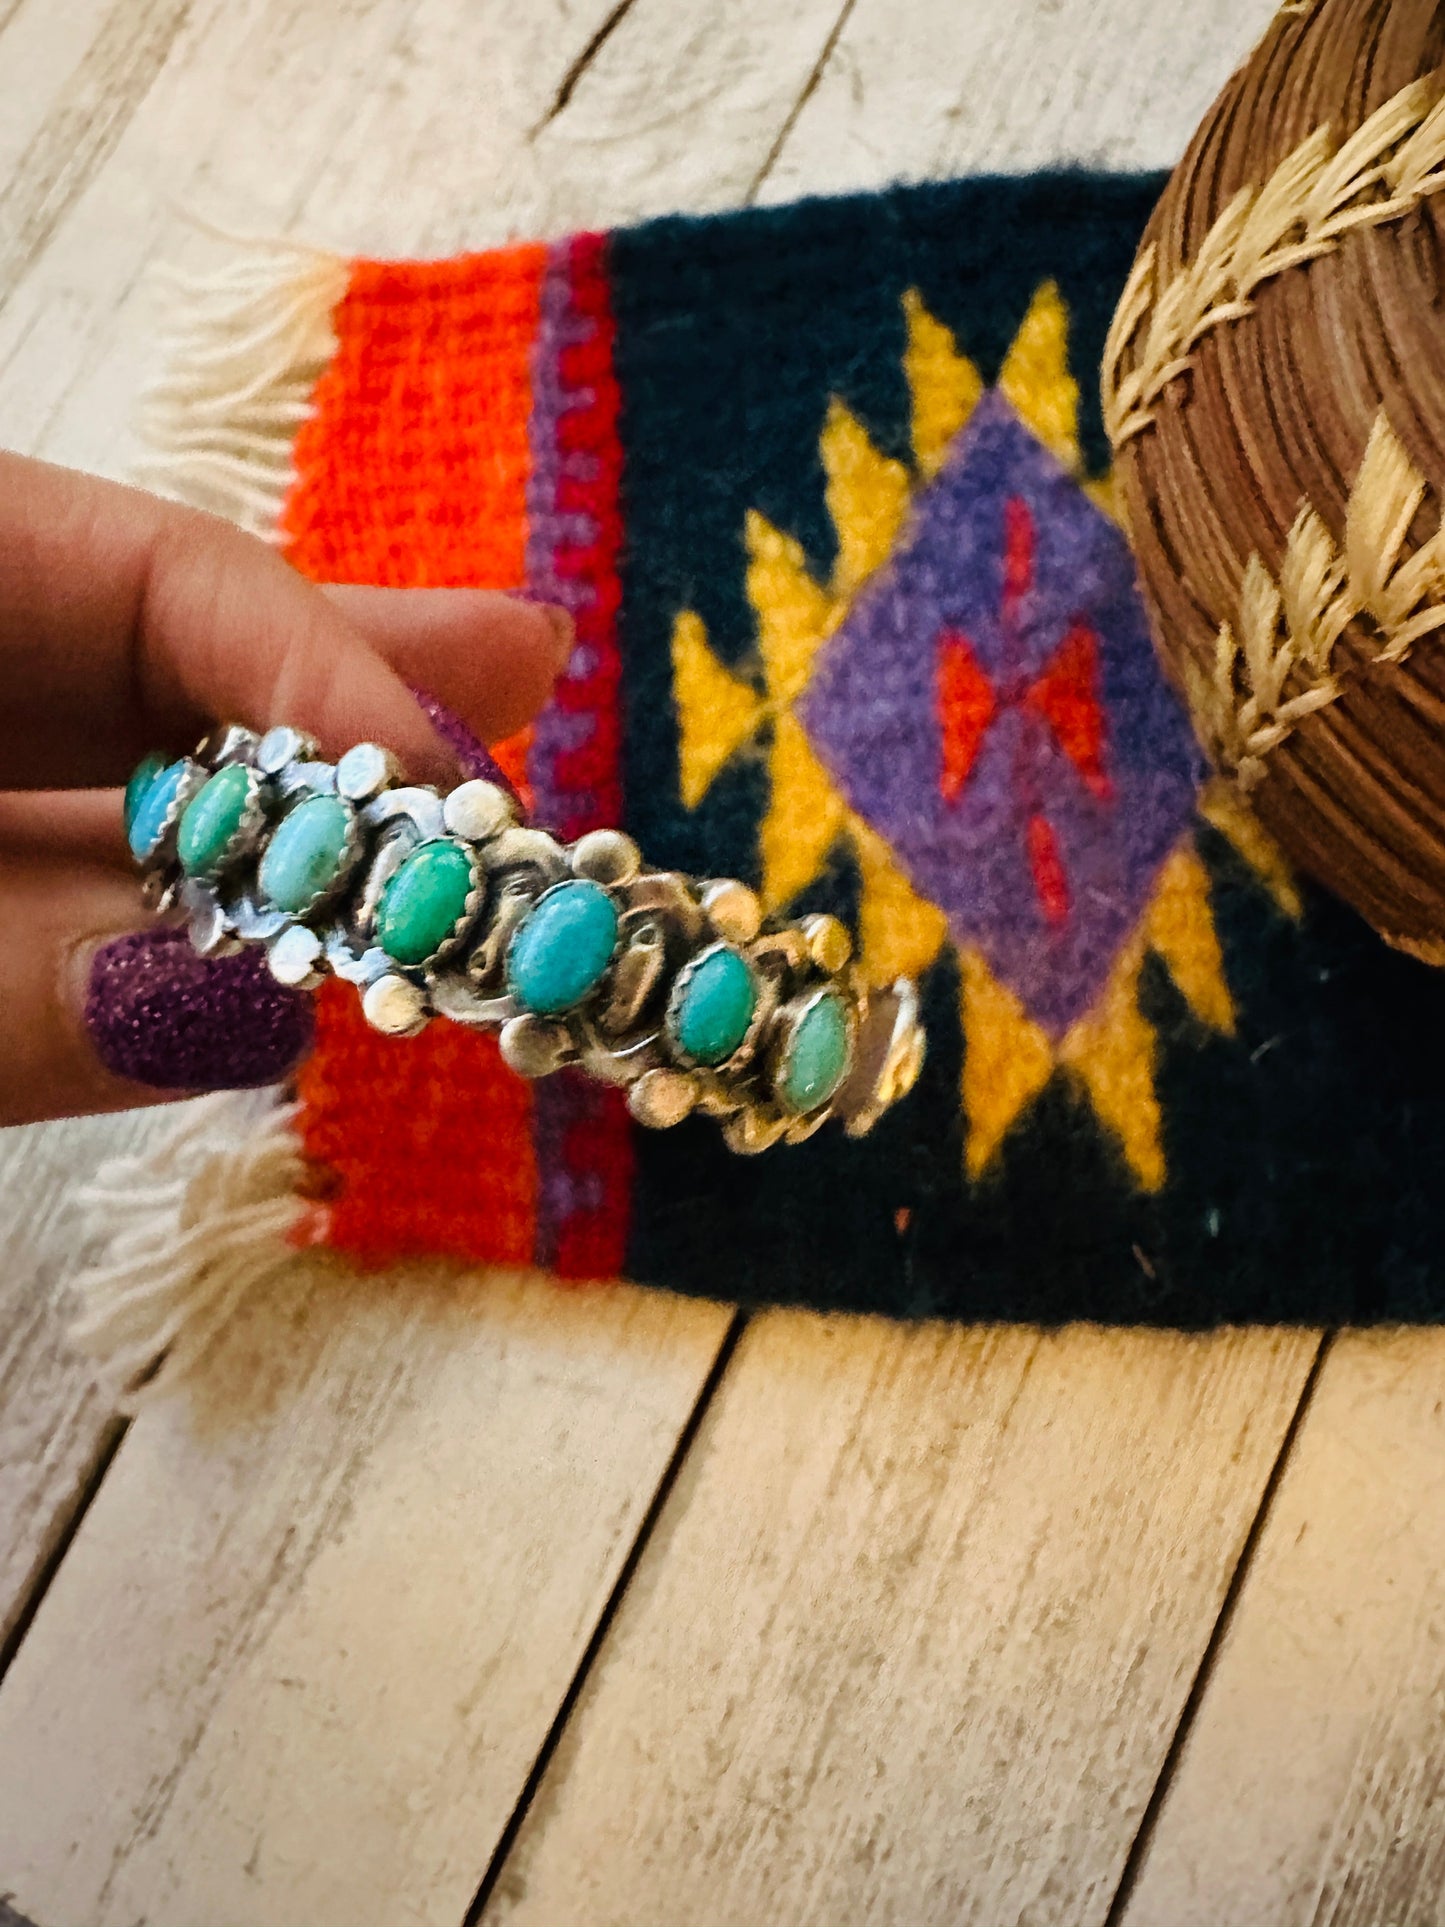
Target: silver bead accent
{"x": 294, "y": 958}
{"x": 606, "y": 856}
{"x": 535, "y": 1046}
{"x": 478, "y": 810}
{"x": 280, "y": 746}
{"x": 662, "y": 1098}
{"x": 394, "y": 1005}
{"x": 732, "y": 909}
{"x": 365, "y": 771}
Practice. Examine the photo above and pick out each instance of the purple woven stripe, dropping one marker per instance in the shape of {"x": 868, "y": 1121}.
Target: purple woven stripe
{"x": 562, "y": 1103}
{"x": 567, "y": 811}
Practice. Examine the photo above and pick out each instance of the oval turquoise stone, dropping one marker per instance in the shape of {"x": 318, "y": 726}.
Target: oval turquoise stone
{"x": 142, "y": 776}
{"x": 148, "y": 816}
{"x": 711, "y": 1014}
{"x": 817, "y": 1057}
{"x": 563, "y": 948}
{"x": 304, "y": 857}
{"x": 212, "y": 818}
{"x": 424, "y": 901}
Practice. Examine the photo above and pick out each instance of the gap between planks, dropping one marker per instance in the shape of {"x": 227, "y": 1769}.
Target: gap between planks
{"x": 629, "y": 1566}
{"x": 914, "y": 1631}
{"x": 1209, "y": 1659}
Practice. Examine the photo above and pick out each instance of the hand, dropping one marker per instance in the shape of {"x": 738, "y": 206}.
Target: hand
{"x": 128, "y": 624}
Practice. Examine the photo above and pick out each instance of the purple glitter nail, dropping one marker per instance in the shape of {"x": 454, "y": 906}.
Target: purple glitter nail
{"x": 160, "y": 1015}
{"x": 473, "y": 755}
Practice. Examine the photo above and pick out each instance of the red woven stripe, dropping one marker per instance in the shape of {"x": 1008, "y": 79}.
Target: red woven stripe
{"x": 592, "y": 1242}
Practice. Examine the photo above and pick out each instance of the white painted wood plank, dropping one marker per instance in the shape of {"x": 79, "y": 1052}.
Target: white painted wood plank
{"x": 1310, "y": 1787}
{"x": 40, "y": 49}
{"x": 54, "y": 1428}
{"x": 913, "y": 1631}
{"x": 308, "y": 1640}
{"x": 932, "y": 88}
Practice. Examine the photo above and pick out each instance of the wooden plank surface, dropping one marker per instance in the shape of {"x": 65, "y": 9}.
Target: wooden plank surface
{"x": 913, "y": 1633}
{"x": 56, "y": 1430}
{"x": 1310, "y": 1789}
{"x": 298, "y": 1661}
{"x": 918, "y": 90}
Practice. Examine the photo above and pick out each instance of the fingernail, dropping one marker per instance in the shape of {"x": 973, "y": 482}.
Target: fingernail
{"x": 470, "y": 751}
{"x": 160, "y": 1015}
{"x": 563, "y": 628}
{"x": 559, "y": 621}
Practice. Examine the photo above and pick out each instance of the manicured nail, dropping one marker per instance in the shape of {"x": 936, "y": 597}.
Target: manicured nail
{"x": 559, "y": 621}
{"x": 160, "y": 1015}
{"x": 563, "y": 628}
{"x": 470, "y": 751}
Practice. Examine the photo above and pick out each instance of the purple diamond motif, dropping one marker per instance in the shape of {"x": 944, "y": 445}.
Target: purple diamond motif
{"x": 993, "y": 707}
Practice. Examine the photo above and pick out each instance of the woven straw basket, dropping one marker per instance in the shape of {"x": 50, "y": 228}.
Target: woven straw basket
{"x": 1274, "y": 387}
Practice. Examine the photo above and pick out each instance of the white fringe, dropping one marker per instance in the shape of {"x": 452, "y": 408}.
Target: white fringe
{"x": 189, "y": 1228}
{"x": 244, "y": 348}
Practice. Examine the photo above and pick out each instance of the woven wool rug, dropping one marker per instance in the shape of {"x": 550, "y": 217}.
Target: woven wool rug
{"x": 826, "y": 489}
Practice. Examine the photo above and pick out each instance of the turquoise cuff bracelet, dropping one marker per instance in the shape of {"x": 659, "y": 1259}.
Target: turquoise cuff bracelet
{"x": 679, "y": 991}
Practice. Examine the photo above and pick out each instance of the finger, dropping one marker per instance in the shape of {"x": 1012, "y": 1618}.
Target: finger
{"x": 65, "y": 826}
{"x": 491, "y": 659}
{"x": 128, "y": 623}
{"x": 96, "y": 1021}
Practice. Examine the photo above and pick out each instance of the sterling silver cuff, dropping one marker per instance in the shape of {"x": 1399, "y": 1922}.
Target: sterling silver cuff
{"x": 677, "y": 990}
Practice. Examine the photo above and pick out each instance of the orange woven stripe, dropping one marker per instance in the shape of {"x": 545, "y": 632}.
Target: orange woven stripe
{"x": 413, "y": 470}
{"x": 413, "y": 473}
{"x": 423, "y": 1144}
